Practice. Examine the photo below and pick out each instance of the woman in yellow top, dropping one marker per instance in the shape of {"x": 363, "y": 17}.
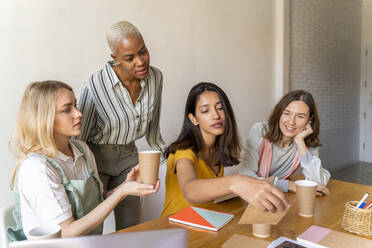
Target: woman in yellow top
{"x": 208, "y": 141}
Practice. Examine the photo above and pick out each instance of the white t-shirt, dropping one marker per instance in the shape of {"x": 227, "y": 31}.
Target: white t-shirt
{"x": 43, "y": 198}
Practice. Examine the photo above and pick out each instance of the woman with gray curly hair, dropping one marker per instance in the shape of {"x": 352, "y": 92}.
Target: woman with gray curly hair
{"x": 120, "y": 104}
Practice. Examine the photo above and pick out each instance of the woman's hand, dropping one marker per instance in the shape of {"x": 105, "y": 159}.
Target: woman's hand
{"x": 137, "y": 188}
{"x": 305, "y": 133}
{"x": 300, "y": 137}
{"x": 133, "y": 175}
{"x": 292, "y": 186}
{"x": 260, "y": 194}
{"x": 320, "y": 189}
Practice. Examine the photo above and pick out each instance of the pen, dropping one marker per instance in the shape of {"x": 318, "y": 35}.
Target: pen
{"x": 362, "y": 205}
{"x": 361, "y": 201}
{"x": 369, "y": 203}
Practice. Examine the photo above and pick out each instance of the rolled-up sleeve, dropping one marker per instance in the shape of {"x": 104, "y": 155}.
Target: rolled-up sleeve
{"x": 312, "y": 167}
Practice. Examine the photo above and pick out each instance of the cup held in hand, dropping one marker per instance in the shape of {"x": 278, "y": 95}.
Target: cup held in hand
{"x": 305, "y": 197}
{"x": 45, "y": 231}
{"x": 149, "y": 166}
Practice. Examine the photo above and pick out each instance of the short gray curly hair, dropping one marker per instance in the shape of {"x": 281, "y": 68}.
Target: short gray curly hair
{"x": 117, "y": 32}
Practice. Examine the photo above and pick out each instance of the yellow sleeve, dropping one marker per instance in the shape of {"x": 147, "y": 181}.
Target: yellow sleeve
{"x": 189, "y": 154}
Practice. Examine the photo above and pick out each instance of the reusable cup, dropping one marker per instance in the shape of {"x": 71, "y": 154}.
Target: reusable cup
{"x": 261, "y": 230}
{"x": 149, "y": 166}
{"x": 46, "y": 231}
{"x": 305, "y": 197}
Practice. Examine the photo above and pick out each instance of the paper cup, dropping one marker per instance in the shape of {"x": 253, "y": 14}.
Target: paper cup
{"x": 149, "y": 166}
{"x": 261, "y": 230}
{"x": 305, "y": 197}
{"x": 46, "y": 231}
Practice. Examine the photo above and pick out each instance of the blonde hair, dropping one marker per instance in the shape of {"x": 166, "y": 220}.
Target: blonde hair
{"x": 117, "y": 32}
{"x": 35, "y": 120}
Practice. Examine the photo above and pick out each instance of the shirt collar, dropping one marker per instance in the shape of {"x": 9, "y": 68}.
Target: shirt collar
{"x": 114, "y": 79}
{"x": 75, "y": 151}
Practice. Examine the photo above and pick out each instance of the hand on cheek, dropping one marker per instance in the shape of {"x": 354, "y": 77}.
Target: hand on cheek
{"x": 308, "y": 130}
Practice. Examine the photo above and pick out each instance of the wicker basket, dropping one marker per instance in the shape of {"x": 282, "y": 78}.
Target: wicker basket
{"x": 357, "y": 220}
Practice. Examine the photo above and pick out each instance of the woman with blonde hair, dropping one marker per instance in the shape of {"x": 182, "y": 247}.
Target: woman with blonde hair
{"x": 56, "y": 179}
{"x": 286, "y": 144}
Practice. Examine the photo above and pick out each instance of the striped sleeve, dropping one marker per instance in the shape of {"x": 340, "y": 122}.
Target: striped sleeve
{"x": 153, "y": 136}
{"x": 89, "y": 119}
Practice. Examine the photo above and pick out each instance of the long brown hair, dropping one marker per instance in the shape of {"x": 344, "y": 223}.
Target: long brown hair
{"x": 226, "y": 149}
{"x": 274, "y": 134}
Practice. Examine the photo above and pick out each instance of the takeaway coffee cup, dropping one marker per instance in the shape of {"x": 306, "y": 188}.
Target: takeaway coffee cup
{"x": 261, "y": 230}
{"x": 149, "y": 166}
{"x": 46, "y": 231}
{"x": 305, "y": 197}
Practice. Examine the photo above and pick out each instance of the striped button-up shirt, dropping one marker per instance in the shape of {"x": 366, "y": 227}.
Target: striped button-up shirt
{"x": 109, "y": 115}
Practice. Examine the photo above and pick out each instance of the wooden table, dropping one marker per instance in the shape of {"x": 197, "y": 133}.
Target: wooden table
{"x": 328, "y": 213}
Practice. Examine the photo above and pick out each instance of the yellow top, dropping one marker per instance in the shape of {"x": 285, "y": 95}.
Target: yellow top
{"x": 174, "y": 199}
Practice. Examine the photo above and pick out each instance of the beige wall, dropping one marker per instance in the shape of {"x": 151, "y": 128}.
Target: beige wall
{"x": 228, "y": 42}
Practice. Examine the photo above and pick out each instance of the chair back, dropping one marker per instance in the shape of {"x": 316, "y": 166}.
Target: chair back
{"x": 6, "y": 219}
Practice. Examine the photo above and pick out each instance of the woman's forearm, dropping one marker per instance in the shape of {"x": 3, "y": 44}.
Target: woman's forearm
{"x": 89, "y": 222}
{"x": 199, "y": 191}
{"x": 259, "y": 193}
{"x": 301, "y": 146}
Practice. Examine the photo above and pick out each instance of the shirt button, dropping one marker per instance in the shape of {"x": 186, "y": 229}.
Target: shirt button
{"x": 137, "y": 116}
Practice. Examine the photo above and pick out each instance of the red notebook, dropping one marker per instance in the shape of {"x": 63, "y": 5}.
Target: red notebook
{"x": 201, "y": 217}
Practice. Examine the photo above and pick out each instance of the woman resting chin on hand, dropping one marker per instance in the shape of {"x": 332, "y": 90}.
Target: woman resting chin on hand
{"x": 286, "y": 144}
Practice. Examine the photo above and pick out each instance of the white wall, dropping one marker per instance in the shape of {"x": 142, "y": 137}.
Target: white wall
{"x": 325, "y": 60}
{"x": 227, "y": 42}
